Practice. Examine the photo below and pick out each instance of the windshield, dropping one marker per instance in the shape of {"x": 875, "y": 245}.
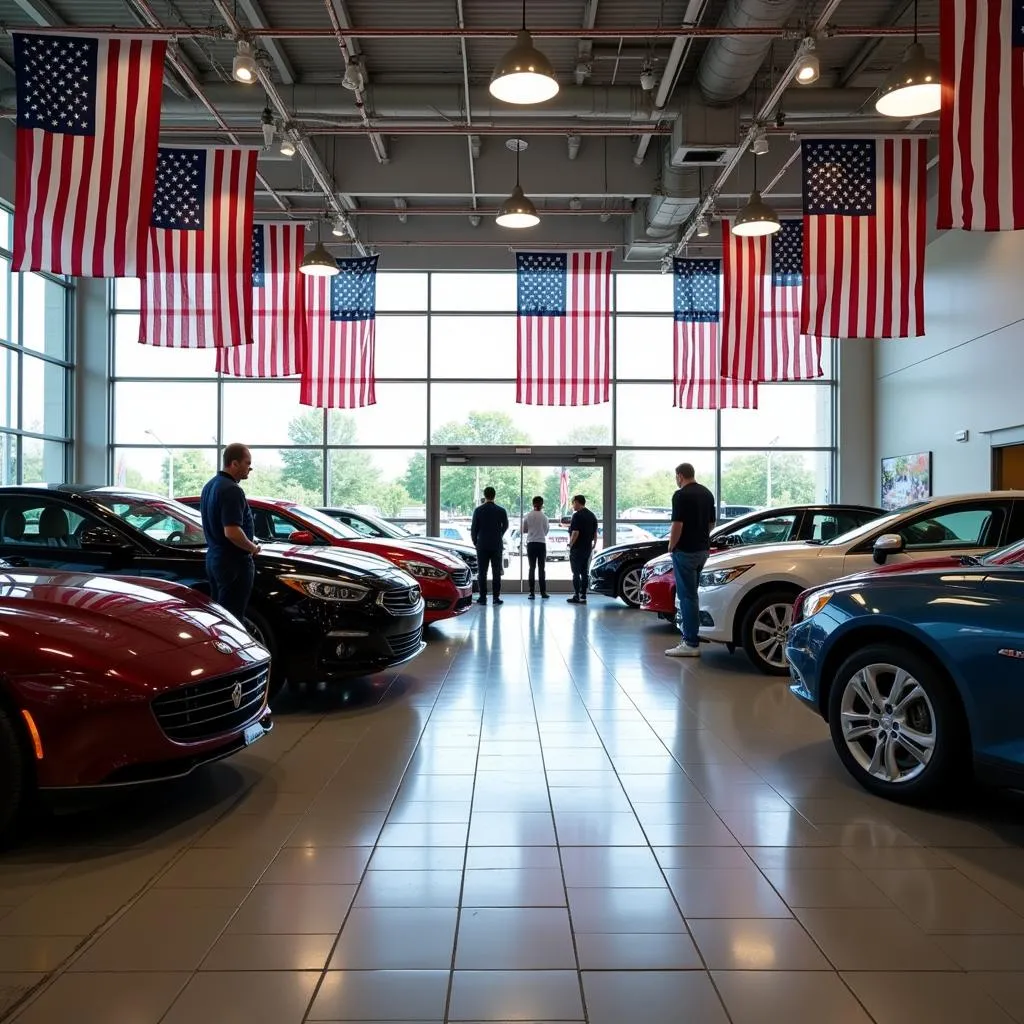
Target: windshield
{"x": 332, "y": 527}
{"x": 382, "y": 527}
{"x": 1007, "y": 555}
{"x": 851, "y": 536}
{"x": 159, "y": 519}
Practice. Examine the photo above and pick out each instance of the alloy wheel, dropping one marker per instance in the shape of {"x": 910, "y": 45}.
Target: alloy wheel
{"x": 770, "y": 629}
{"x": 629, "y": 588}
{"x": 888, "y": 723}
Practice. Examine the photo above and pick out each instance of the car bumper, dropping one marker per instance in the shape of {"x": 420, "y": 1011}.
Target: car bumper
{"x": 658, "y": 595}
{"x": 604, "y": 580}
{"x": 447, "y": 605}
{"x": 717, "y": 607}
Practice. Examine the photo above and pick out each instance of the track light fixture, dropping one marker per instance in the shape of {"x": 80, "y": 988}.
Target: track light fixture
{"x": 913, "y": 88}
{"x": 517, "y": 211}
{"x": 243, "y": 67}
{"x": 287, "y": 145}
{"x": 759, "y": 141}
{"x": 338, "y": 228}
{"x": 355, "y": 75}
{"x": 648, "y": 80}
{"x": 268, "y": 126}
{"x": 524, "y": 75}
{"x": 808, "y": 69}
{"x": 703, "y": 229}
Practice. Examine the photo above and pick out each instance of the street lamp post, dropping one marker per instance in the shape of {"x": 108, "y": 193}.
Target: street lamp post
{"x": 170, "y": 463}
{"x": 768, "y": 474}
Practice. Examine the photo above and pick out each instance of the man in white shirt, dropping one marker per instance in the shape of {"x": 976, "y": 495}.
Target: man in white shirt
{"x": 535, "y": 530}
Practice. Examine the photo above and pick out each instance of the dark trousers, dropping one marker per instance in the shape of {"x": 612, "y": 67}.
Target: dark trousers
{"x": 491, "y": 559}
{"x": 537, "y": 554}
{"x": 579, "y": 560}
{"x": 231, "y": 580}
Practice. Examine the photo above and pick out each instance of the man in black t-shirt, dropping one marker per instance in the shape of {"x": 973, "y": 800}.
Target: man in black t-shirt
{"x": 693, "y": 519}
{"x": 582, "y": 541}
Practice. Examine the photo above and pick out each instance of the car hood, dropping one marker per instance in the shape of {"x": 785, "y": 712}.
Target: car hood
{"x": 765, "y": 552}
{"x": 457, "y": 546}
{"x": 346, "y": 562}
{"x": 636, "y": 549}
{"x": 401, "y": 551}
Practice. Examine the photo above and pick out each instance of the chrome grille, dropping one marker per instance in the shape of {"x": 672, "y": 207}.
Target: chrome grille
{"x": 400, "y": 602}
{"x": 404, "y": 644}
{"x": 472, "y": 562}
{"x": 201, "y": 710}
{"x": 462, "y": 577}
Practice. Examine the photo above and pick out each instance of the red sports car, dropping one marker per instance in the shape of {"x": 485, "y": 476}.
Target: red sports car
{"x": 445, "y": 581}
{"x": 658, "y": 587}
{"x": 108, "y": 681}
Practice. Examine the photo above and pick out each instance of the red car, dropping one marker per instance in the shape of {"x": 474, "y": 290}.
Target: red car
{"x": 109, "y": 681}
{"x": 658, "y": 587}
{"x": 445, "y": 581}
{"x": 1011, "y": 554}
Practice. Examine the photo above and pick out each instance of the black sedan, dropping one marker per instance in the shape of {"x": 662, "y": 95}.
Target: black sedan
{"x": 321, "y": 613}
{"x": 615, "y": 571}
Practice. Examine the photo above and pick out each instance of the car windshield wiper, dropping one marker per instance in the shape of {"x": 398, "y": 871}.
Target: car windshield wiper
{"x": 969, "y": 560}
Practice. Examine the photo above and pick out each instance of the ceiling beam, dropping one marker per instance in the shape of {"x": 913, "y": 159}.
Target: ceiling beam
{"x": 865, "y": 51}
{"x": 585, "y": 47}
{"x": 40, "y": 12}
{"x": 258, "y": 20}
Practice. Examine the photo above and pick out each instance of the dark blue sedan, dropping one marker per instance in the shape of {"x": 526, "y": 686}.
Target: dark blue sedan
{"x": 920, "y": 676}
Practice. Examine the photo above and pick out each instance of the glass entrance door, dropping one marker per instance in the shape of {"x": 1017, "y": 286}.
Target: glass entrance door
{"x": 458, "y": 482}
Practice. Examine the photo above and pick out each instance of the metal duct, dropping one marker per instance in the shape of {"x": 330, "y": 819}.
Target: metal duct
{"x": 731, "y": 62}
{"x": 674, "y": 203}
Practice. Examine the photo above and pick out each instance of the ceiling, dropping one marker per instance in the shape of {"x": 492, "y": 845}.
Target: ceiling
{"x": 418, "y": 172}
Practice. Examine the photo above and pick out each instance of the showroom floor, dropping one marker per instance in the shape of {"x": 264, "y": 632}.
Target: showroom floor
{"x": 540, "y": 819}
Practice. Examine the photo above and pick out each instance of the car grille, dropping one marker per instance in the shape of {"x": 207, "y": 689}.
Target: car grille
{"x": 399, "y": 602}
{"x": 472, "y": 562}
{"x": 462, "y": 577}
{"x": 215, "y": 706}
{"x": 405, "y": 644}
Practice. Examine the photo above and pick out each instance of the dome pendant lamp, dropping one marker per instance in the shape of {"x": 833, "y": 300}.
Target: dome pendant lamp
{"x": 318, "y": 262}
{"x": 757, "y": 217}
{"x": 523, "y": 75}
{"x": 913, "y": 88}
{"x": 517, "y": 211}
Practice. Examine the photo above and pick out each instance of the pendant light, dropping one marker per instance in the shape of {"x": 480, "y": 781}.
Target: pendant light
{"x": 913, "y": 88}
{"x": 517, "y": 211}
{"x": 243, "y": 67}
{"x": 318, "y": 262}
{"x": 524, "y": 75}
{"x": 757, "y": 217}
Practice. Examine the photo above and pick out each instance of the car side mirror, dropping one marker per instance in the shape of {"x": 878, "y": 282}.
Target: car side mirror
{"x": 101, "y": 538}
{"x": 301, "y": 537}
{"x": 733, "y": 540}
{"x": 888, "y": 544}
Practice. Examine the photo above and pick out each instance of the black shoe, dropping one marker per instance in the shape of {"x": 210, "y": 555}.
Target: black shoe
{"x": 583, "y": 600}
{"x": 481, "y": 600}
{"x": 573, "y": 600}
{"x": 532, "y": 597}
{"x": 498, "y": 600}
{"x": 545, "y": 596}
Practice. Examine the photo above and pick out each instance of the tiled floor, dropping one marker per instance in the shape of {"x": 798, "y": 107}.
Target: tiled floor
{"x": 540, "y": 819}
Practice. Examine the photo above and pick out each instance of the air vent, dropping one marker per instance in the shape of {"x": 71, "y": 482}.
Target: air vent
{"x": 701, "y": 156}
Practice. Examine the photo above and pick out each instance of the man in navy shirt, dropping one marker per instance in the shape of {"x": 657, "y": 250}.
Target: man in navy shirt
{"x": 582, "y": 541}
{"x": 228, "y": 525}
{"x": 490, "y": 521}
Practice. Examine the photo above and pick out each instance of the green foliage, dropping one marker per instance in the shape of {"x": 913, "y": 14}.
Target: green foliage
{"x": 745, "y": 480}
{"x": 191, "y": 471}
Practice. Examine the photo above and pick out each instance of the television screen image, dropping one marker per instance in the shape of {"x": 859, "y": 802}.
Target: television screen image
{"x": 906, "y": 478}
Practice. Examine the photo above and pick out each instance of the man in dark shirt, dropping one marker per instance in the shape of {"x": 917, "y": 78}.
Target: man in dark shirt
{"x": 582, "y": 541}
{"x": 228, "y": 525}
{"x": 490, "y": 521}
{"x": 693, "y": 519}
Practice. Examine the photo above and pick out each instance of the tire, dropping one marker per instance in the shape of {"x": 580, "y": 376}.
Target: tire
{"x": 16, "y": 786}
{"x": 260, "y": 631}
{"x": 904, "y": 769}
{"x": 763, "y": 633}
{"x": 628, "y": 585}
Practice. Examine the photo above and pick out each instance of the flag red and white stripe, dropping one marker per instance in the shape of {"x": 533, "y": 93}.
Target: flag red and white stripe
{"x": 564, "y": 328}
{"x": 864, "y": 238}
{"x": 88, "y": 128}
{"x": 981, "y": 123}
{"x": 744, "y": 266}
{"x": 197, "y": 289}
{"x": 278, "y": 307}
{"x": 339, "y": 369}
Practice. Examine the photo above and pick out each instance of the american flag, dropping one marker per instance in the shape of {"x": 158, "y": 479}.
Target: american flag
{"x": 278, "y": 307}
{"x": 981, "y": 137}
{"x": 197, "y": 288}
{"x": 744, "y": 262}
{"x": 88, "y": 127}
{"x": 341, "y": 321}
{"x": 563, "y": 489}
{"x": 786, "y": 354}
{"x": 864, "y": 237}
{"x": 564, "y": 328}
{"x": 697, "y": 383}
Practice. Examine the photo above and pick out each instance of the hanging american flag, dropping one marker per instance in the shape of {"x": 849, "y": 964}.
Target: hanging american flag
{"x": 563, "y": 488}
{"x": 744, "y": 264}
{"x": 864, "y": 237}
{"x": 197, "y": 288}
{"x": 278, "y": 307}
{"x": 981, "y": 136}
{"x": 341, "y": 312}
{"x": 697, "y": 383}
{"x": 88, "y": 127}
{"x": 563, "y": 328}
{"x": 786, "y": 354}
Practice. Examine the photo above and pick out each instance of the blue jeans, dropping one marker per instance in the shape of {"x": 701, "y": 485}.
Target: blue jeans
{"x": 231, "y": 579}
{"x": 687, "y": 566}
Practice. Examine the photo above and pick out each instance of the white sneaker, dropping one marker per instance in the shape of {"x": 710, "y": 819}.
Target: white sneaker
{"x": 683, "y": 650}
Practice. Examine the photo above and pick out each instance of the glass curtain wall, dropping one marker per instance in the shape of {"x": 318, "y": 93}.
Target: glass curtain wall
{"x": 36, "y": 367}
{"x": 446, "y": 365}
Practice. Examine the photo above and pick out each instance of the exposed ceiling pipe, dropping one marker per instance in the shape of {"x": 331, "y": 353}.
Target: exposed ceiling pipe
{"x": 574, "y": 142}
{"x": 472, "y": 131}
{"x": 730, "y": 64}
{"x": 473, "y": 147}
{"x": 184, "y": 69}
{"x": 404, "y": 212}
{"x": 680, "y": 48}
{"x": 765, "y": 113}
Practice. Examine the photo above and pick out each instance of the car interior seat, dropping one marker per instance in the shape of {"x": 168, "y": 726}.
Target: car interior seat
{"x": 13, "y": 528}
{"x": 53, "y": 527}
{"x": 829, "y": 530}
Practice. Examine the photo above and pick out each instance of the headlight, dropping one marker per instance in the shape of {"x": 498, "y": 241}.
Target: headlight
{"x": 661, "y": 569}
{"x": 719, "y": 577}
{"x": 423, "y": 571}
{"x": 325, "y": 590}
{"x": 815, "y": 602}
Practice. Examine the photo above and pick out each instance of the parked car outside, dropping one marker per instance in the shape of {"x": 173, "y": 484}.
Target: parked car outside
{"x": 445, "y": 580}
{"x": 110, "y": 682}
{"x": 918, "y": 674}
{"x": 637, "y": 575}
{"x": 746, "y": 595}
{"x": 322, "y": 613}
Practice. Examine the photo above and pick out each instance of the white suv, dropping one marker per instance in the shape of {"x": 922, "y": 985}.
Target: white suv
{"x": 746, "y": 595}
